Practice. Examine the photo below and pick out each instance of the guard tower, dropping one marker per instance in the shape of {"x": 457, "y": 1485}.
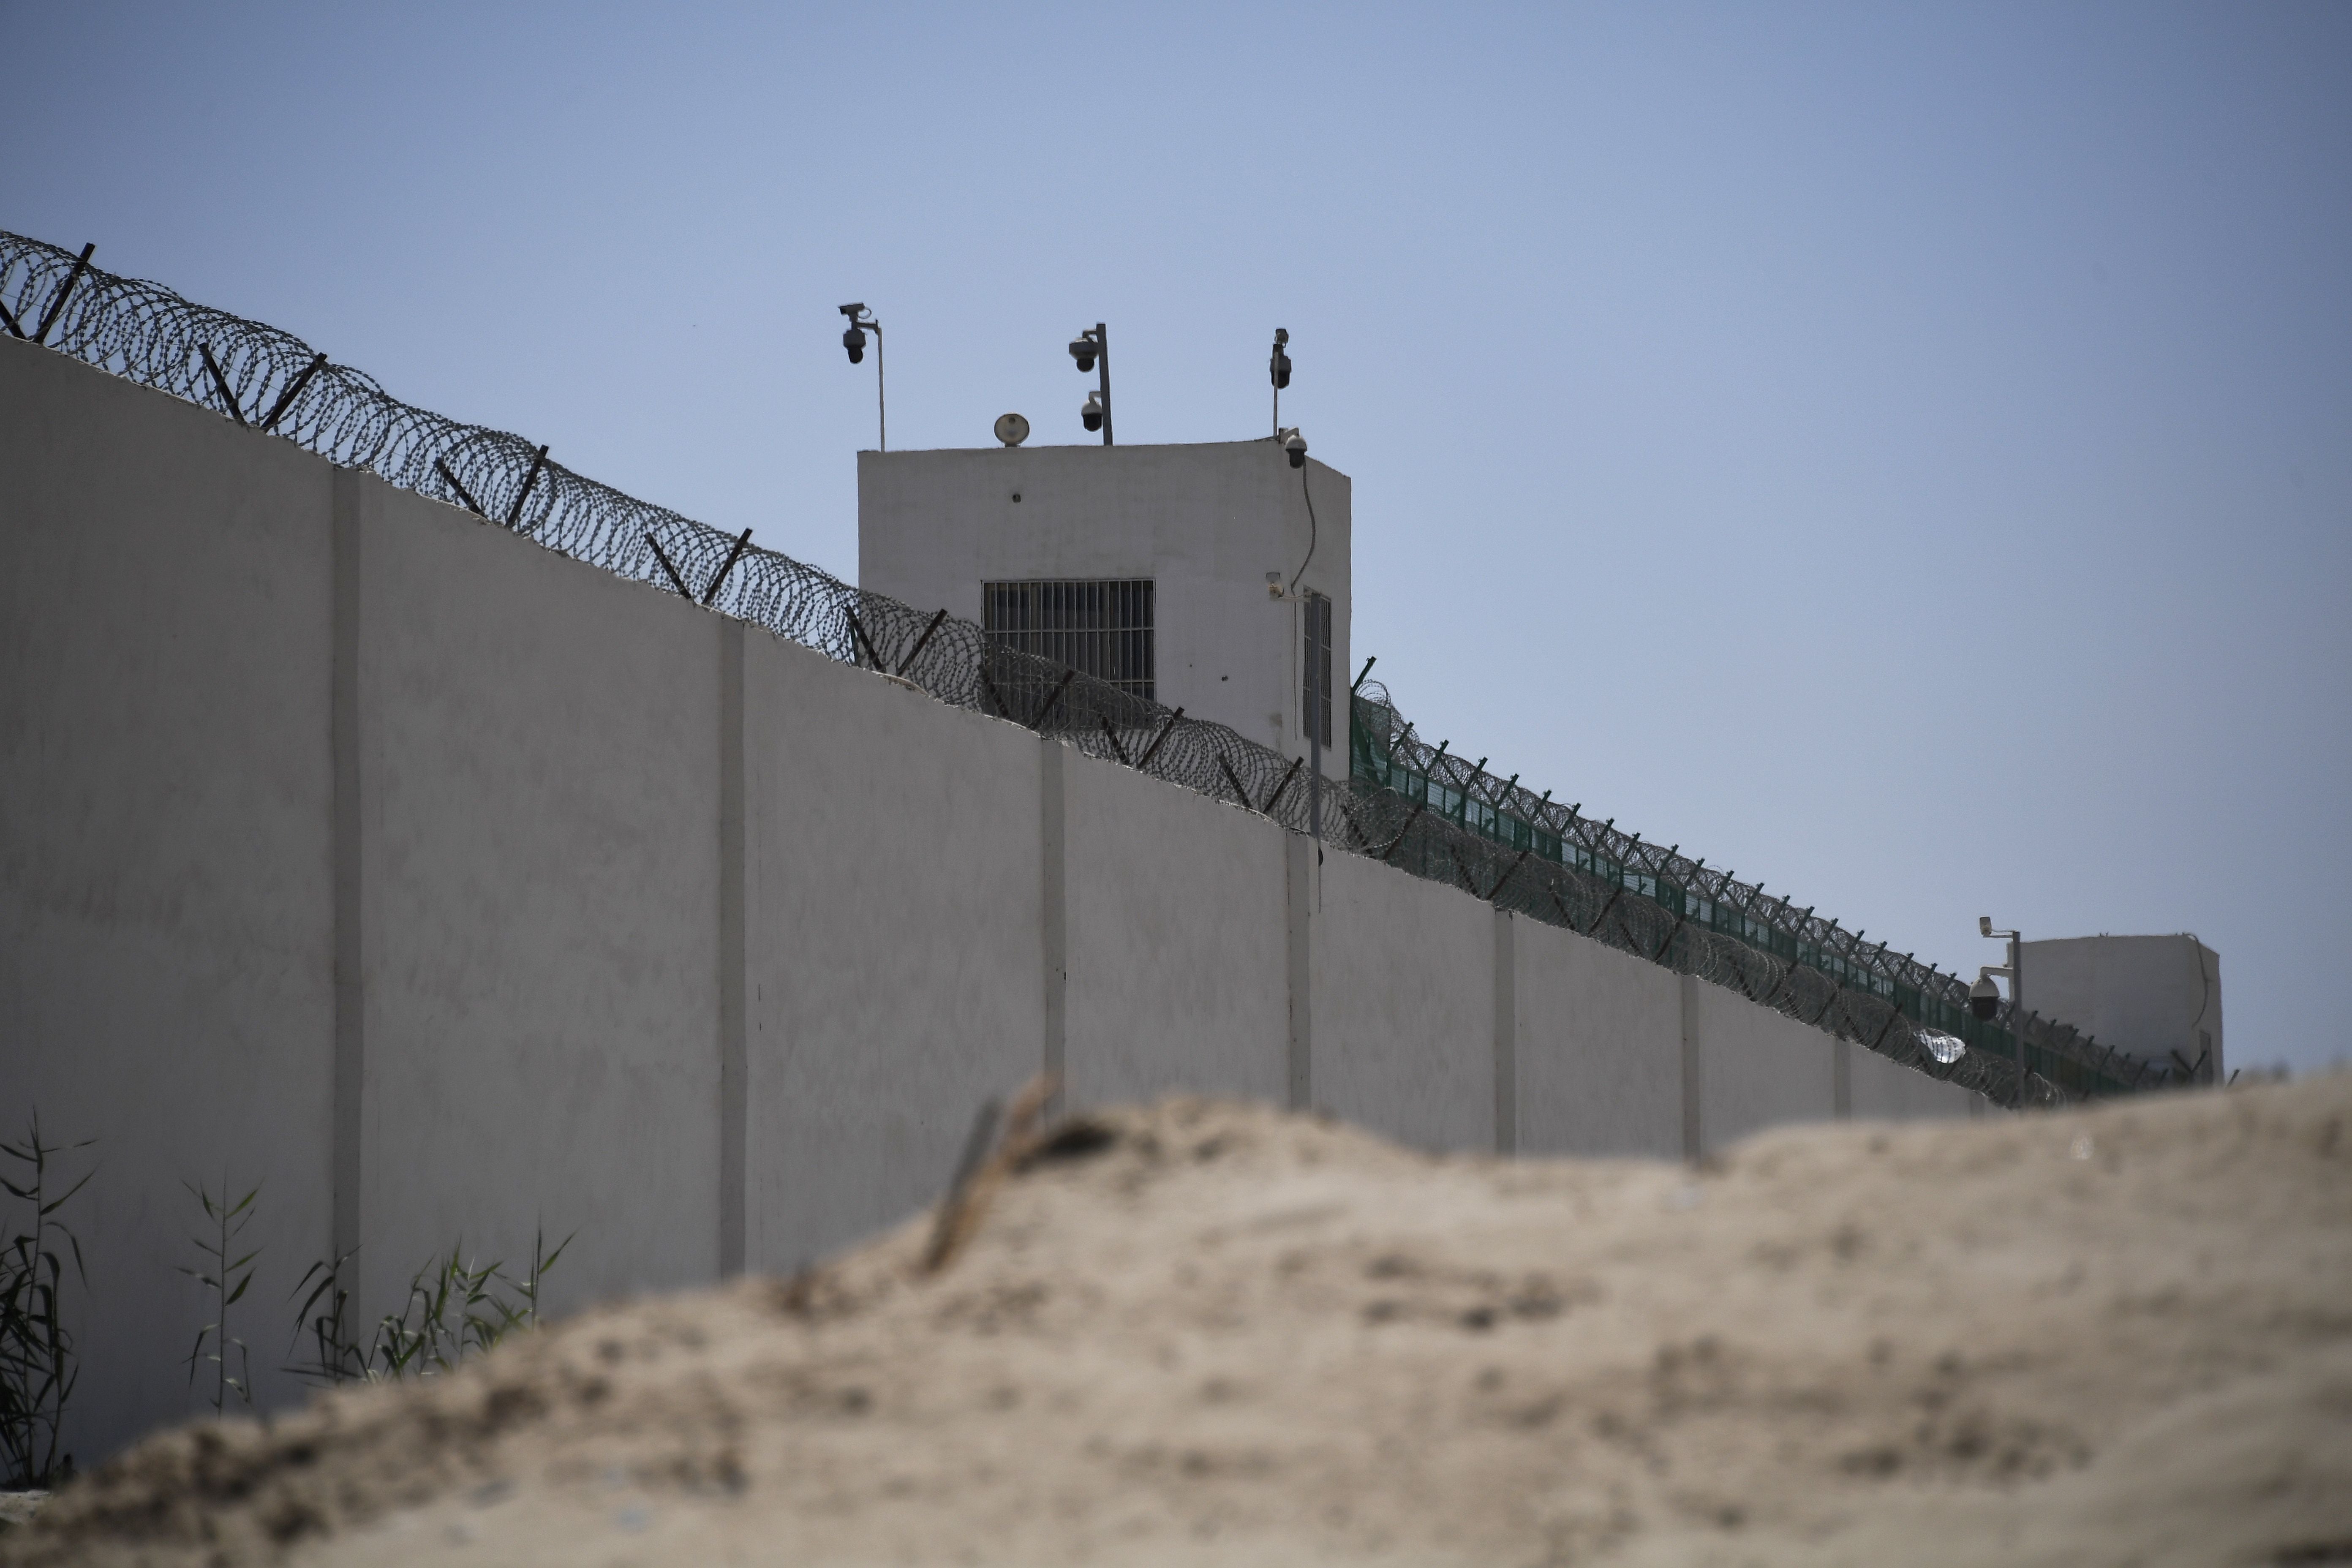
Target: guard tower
{"x": 1212, "y": 577}
{"x": 2156, "y": 996}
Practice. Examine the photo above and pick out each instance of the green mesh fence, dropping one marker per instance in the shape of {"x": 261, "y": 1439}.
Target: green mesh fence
{"x": 1556, "y": 864}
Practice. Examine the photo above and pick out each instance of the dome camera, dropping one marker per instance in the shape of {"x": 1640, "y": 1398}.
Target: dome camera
{"x": 853, "y": 340}
{"x": 1083, "y": 351}
{"x": 1984, "y": 997}
{"x": 1091, "y": 411}
{"x": 1295, "y": 445}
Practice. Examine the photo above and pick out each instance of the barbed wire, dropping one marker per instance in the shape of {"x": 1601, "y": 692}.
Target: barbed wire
{"x": 270, "y": 380}
{"x": 1701, "y": 919}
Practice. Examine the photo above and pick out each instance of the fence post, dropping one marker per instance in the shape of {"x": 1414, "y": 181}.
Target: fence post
{"x": 728, "y": 565}
{"x": 1112, "y": 736}
{"x": 1227, "y": 768}
{"x": 514, "y": 513}
{"x": 57, "y": 305}
{"x": 661, "y": 554}
{"x": 1296, "y": 763}
{"x": 1145, "y": 761}
{"x": 449, "y": 478}
{"x": 294, "y": 390}
{"x": 221, "y": 382}
{"x": 920, "y": 641}
{"x": 1053, "y": 699}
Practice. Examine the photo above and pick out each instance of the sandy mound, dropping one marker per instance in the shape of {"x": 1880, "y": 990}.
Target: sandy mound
{"x": 1221, "y": 1334}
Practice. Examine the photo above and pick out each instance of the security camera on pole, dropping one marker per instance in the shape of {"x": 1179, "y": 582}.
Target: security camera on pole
{"x": 1090, "y": 349}
{"x": 1277, "y": 367}
{"x": 1984, "y": 996}
{"x": 861, "y": 322}
{"x": 1314, "y": 607}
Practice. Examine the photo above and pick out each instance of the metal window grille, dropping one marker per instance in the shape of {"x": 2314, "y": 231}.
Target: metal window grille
{"x": 1315, "y": 696}
{"x": 1101, "y": 628}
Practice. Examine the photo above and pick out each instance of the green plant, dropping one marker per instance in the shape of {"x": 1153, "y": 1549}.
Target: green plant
{"x": 454, "y": 1308}
{"x": 220, "y": 1275}
{"x": 335, "y": 1357}
{"x": 37, "y": 1360}
{"x": 541, "y": 1260}
{"x": 441, "y": 1320}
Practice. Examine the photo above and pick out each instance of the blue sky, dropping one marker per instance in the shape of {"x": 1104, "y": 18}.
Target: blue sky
{"x": 1902, "y": 453}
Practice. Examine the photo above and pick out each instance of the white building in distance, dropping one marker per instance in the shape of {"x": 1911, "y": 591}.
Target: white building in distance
{"x": 2155, "y": 996}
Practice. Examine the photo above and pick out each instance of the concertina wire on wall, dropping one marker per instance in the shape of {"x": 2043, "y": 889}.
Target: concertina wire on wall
{"x": 1448, "y": 821}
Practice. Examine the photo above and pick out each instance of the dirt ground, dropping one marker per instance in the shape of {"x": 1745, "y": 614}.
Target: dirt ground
{"x": 1213, "y": 1334}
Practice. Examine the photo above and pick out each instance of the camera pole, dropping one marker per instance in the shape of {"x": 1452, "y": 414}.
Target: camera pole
{"x": 1980, "y": 996}
{"x": 1278, "y": 371}
{"x": 2017, "y": 1006}
{"x": 1320, "y": 668}
{"x": 1102, "y": 342}
{"x": 853, "y": 340}
{"x": 1091, "y": 350}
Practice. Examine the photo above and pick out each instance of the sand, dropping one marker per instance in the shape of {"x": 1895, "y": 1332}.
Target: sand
{"x": 1203, "y": 1332}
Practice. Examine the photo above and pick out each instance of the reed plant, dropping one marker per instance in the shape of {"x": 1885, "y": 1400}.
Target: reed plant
{"x": 227, "y": 1277}
{"x": 324, "y": 1319}
{"x": 456, "y": 1307}
{"x": 37, "y": 1367}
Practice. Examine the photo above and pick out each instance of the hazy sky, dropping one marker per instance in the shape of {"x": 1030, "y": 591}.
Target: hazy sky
{"x": 1903, "y": 454}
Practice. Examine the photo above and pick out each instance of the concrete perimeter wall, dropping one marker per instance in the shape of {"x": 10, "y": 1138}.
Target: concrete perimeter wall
{"x": 167, "y": 977}
{"x": 538, "y": 922}
{"x": 1404, "y": 1005}
{"x": 443, "y": 889}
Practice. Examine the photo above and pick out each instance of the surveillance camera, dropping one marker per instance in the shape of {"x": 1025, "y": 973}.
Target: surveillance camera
{"x": 1984, "y": 925}
{"x": 855, "y": 341}
{"x": 1091, "y": 411}
{"x": 1083, "y": 351}
{"x": 851, "y": 310}
{"x": 1295, "y": 445}
{"x": 1984, "y": 997}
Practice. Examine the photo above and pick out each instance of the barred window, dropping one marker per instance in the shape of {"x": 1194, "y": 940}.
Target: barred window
{"x": 1101, "y": 628}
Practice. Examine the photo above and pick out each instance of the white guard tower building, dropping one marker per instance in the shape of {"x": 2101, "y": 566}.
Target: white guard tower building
{"x": 2156, "y": 996}
{"x": 1212, "y": 577}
